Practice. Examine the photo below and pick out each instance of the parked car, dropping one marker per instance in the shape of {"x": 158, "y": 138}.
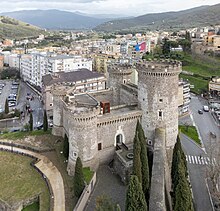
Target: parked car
{"x": 205, "y": 108}
{"x": 200, "y": 111}
{"x": 14, "y": 87}
{"x": 11, "y": 104}
{"x": 15, "y": 83}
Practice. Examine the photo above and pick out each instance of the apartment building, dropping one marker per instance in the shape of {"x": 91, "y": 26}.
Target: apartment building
{"x": 35, "y": 65}
{"x": 68, "y": 63}
{"x": 183, "y": 97}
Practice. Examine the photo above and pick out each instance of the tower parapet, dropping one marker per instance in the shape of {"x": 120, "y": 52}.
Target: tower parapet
{"x": 83, "y": 137}
{"x": 119, "y": 73}
{"x": 158, "y": 97}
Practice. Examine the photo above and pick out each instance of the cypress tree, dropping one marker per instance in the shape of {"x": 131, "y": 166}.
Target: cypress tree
{"x": 144, "y": 160}
{"x": 136, "y": 159}
{"x": 182, "y": 193}
{"x": 135, "y": 199}
{"x": 178, "y": 148}
{"x": 31, "y": 122}
{"x": 78, "y": 182}
{"x": 45, "y": 124}
{"x": 6, "y": 107}
{"x": 66, "y": 147}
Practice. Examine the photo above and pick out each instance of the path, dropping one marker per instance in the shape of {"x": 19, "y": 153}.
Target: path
{"x": 50, "y": 171}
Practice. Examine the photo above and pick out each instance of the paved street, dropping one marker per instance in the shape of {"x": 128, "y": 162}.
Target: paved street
{"x": 197, "y": 173}
{"x": 205, "y": 123}
{"x": 199, "y": 159}
{"x": 110, "y": 185}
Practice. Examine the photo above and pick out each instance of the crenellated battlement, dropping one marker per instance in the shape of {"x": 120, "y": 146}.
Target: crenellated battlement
{"x": 159, "y": 68}
{"x": 84, "y": 114}
{"x": 120, "y": 68}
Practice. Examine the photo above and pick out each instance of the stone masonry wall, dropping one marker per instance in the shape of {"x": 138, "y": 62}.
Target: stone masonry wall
{"x": 158, "y": 99}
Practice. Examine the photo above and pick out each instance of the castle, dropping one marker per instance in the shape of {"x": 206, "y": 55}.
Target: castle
{"x": 96, "y": 122}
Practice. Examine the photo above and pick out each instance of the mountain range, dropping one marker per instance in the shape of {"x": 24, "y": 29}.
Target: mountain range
{"x": 57, "y": 19}
{"x": 199, "y": 16}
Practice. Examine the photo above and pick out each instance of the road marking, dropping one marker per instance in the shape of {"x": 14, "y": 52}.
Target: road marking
{"x": 209, "y": 160}
{"x": 202, "y": 160}
{"x": 189, "y": 159}
{"x": 205, "y": 161}
{"x": 195, "y": 160}
{"x": 198, "y": 160}
{"x": 192, "y": 159}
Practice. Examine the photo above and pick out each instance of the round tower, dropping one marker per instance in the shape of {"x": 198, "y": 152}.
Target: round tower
{"x": 58, "y": 96}
{"x": 158, "y": 97}
{"x": 83, "y": 137}
{"x": 119, "y": 73}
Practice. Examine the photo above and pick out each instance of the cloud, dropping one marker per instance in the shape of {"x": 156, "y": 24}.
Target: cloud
{"x": 125, "y": 7}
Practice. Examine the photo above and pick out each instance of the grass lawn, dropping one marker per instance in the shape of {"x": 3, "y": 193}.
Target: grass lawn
{"x": 32, "y": 207}
{"x": 191, "y": 132}
{"x": 20, "y": 181}
{"x": 200, "y": 84}
{"x": 21, "y": 135}
{"x": 88, "y": 174}
{"x": 202, "y": 65}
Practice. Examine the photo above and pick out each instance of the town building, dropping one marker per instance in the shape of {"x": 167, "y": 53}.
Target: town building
{"x": 35, "y": 65}
{"x": 214, "y": 87}
{"x": 80, "y": 81}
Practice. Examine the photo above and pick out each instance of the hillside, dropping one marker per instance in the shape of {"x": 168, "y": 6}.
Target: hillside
{"x": 14, "y": 29}
{"x": 199, "y": 16}
{"x": 57, "y": 19}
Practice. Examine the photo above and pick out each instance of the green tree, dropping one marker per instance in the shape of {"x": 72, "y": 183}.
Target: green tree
{"x": 66, "y": 147}
{"x": 6, "y": 107}
{"x": 178, "y": 148}
{"x": 144, "y": 160}
{"x": 166, "y": 47}
{"x": 31, "y": 122}
{"x": 45, "y": 124}
{"x": 137, "y": 159}
{"x": 182, "y": 193}
{"x": 135, "y": 199}
{"x": 78, "y": 182}
{"x": 104, "y": 203}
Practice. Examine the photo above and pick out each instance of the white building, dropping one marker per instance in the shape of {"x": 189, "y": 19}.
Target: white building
{"x": 68, "y": 63}
{"x": 14, "y": 60}
{"x": 35, "y": 65}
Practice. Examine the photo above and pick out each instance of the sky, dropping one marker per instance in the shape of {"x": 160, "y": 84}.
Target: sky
{"x": 120, "y": 7}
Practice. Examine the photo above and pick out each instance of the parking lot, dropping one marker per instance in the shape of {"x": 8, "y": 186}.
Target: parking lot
{"x": 19, "y": 96}
{"x": 8, "y": 90}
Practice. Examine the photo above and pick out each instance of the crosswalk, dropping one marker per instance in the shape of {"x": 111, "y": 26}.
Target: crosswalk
{"x": 199, "y": 160}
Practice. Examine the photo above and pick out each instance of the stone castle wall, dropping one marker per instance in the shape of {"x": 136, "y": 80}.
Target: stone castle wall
{"x": 158, "y": 98}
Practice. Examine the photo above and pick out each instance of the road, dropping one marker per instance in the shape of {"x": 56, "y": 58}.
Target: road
{"x": 205, "y": 123}
{"x": 200, "y": 159}
{"x": 197, "y": 173}
{"x": 35, "y": 105}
